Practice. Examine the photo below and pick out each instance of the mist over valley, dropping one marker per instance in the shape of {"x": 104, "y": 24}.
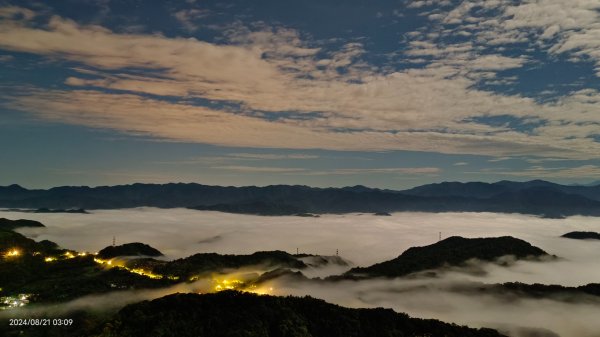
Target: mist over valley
{"x": 474, "y": 292}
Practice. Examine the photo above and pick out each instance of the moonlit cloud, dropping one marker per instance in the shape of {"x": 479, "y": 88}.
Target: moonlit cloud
{"x": 553, "y": 26}
{"x": 276, "y": 70}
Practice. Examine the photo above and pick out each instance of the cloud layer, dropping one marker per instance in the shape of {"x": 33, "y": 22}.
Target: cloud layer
{"x": 363, "y": 239}
{"x": 272, "y": 86}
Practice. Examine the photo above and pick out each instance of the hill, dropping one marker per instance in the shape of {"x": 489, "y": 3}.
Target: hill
{"x": 12, "y": 224}
{"x": 517, "y": 291}
{"x": 453, "y": 251}
{"x": 10, "y": 240}
{"x": 201, "y": 263}
{"x": 582, "y": 235}
{"x": 54, "y": 274}
{"x": 129, "y": 249}
{"x": 536, "y": 290}
{"x": 230, "y": 313}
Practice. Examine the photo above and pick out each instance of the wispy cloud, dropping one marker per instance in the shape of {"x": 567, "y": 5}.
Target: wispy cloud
{"x": 270, "y": 156}
{"x": 392, "y": 170}
{"x": 6, "y": 58}
{"x": 260, "y": 169}
{"x": 337, "y": 171}
{"x": 189, "y": 18}
{"x": 498, "y": 159}
{"x": 540, "y": 172}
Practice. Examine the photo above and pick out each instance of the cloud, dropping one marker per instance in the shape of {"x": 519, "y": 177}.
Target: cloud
{"x": 564, "y": 27}
{"x": 552, "y": 26}
{"x": 6, "y": 58}
{"x": 390, "y": 170}
{"x": 540, "y": 172}
{"x": 259, "y": 169}
{"x": 271, "y": 156}
{"x": 498, "y": 159}
{"x": 189, "y": 17}
{"x": 427, "y": 3}
{"x": 362, "y": 239}
{"x": 74, "y": 176}
{"x": 16, "y": 13}
{"x": 184, "y": 122}
{"x": 286, "y": 91}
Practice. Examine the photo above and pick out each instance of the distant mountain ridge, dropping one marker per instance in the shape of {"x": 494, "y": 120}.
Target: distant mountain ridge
{"x": 533, "y": 197}
{"x": 487, "y": 190}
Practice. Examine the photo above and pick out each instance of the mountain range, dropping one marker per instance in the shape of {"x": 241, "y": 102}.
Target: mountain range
{"x": 536, "y": 197}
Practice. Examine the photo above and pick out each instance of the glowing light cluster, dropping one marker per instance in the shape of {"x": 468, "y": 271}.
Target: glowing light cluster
{"x": 236, "y": 284}
{"x": 143, "y": 272}
{"x": 12, "y": 253}
{"x": 102, "y": 261}
{"x": 259, "y": 290}
{"x": 9, "y": 302}
{"x": 224, "y": 284}
{"x": 65, "y": 255}
{"x": 139, "y": 271}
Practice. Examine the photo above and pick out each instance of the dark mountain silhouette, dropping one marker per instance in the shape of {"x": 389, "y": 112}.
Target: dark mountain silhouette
{"x": 257, "y": 208}
{"x": 488, "y": 190}
{"x": 582, "y": 235}
{"x": 456, "y": 189}
{"x": 129, "y": 249}
{"x": 12, "y": 240}
{"x": 536, "y": 197}
{"x": 537, "y": 290}
{"x": 453, "y": 251}
{"x": 212, "y": 262}
{"x": 230, "y": 313}
{"x": 12, "y": 224}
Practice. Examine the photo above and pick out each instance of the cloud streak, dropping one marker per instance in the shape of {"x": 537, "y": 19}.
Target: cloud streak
{"x": 540, "y": 172}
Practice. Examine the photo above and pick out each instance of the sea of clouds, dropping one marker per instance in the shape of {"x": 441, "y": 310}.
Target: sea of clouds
{"x": 364, "y": 239}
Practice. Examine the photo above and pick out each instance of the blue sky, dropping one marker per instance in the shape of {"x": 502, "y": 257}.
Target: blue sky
{"x": 388, "y": 94}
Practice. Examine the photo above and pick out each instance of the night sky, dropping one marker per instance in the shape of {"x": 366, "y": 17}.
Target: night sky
{"x": 389, "y": 94}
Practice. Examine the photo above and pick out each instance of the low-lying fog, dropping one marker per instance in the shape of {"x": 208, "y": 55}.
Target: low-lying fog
{"x": 364, "y": 240}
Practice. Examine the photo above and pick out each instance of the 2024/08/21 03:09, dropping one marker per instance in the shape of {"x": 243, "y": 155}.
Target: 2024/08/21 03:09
{"x": 40, "y": 321}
